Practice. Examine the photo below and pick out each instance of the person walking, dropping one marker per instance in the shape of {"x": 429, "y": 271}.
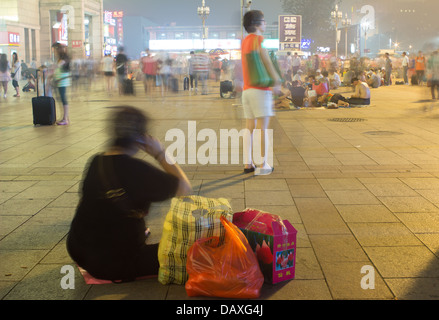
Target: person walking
{"x": 192, "y": 74}
{"x": 433, "y": 74}
{"x": 108, "y": 70}
{"x": 420, "y": 65}
{"x": 5, "y": 75}
{"x": 62, "y": 79}
{"x": 201, "y": 68}
{"x": 405, "y": 67}
{"x": 16, "y": 74}
{"x": 257, "y": 101}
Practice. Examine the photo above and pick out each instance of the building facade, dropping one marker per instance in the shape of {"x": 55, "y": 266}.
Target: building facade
{"x": 30, "y": 27}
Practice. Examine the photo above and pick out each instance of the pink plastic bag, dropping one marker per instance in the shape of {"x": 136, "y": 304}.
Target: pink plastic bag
{"x": 230, "y": 270}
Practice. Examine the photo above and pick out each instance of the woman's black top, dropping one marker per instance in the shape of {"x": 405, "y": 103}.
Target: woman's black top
{"x": 102, "y": 235}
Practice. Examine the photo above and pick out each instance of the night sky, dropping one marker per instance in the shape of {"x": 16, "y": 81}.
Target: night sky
{"x": 184, "y": 12}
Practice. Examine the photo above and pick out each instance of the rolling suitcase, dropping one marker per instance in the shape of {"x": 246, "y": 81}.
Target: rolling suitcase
{"x": 173, "y": 83}
{"x": 43, "y": 108}
{"x": 186, "y": 83}
{"x": 128, "y": 87}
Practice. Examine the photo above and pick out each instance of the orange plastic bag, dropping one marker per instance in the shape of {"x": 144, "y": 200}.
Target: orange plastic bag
{"x": 230, "y": 270}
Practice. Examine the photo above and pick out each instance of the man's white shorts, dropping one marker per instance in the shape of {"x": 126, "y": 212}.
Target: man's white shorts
{"x": 257, "y": 103}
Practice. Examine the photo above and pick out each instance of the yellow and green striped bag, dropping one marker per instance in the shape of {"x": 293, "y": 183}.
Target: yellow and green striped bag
{"x": 190, "y": 218}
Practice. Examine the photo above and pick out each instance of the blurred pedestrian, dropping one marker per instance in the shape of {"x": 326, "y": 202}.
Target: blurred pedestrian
{"x": 121, "y": 69}
{"x": 108, "y": 71}
{"x": 420, "y": 65}
{"x": 108, "y": 232}
{"x": 5, "y": 75}
{"x": 405, "y": 67}
{"x": 192, "y": 74}
{"x": 433, "y": 73}
{"x": 149, "y": 69}
{"x": 257, "y": 101}
{"x": 201, "y": 69}
{"x": 62, "y": 79}
{"x": 16, "y": 74}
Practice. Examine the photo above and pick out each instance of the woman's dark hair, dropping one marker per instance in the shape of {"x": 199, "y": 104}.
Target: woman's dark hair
{"x": 3, "y": 62}
{"x": 65, "y": 57}
{"x": 14, "y": 57}
{"x": 128, "y": 124}
{"x": 252, "y": 19}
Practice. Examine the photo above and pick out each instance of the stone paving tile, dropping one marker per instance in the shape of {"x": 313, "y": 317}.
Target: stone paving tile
{"x": 383, "y": 234}
{"x": 365, "y": 213}
{"x": 355, "y": 198}
{"x": 404, "y": 262}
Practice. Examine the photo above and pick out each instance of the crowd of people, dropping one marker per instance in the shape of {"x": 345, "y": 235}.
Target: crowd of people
{"x": 308, "y": 81}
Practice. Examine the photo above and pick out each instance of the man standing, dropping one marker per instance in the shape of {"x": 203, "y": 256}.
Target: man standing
{"x": 388, "y": 80}
{"x": 405, "y": 67}
{"x": 296, "y": 63}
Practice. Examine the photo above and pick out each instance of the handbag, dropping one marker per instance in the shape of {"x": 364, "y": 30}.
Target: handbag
{"x": 14, "y": 73}
{"x": 113, "y": 191}
{"x": 258, "y": 74}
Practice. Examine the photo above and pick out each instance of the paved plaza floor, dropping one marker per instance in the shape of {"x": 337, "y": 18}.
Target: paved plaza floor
{"x": 361, "y": 186}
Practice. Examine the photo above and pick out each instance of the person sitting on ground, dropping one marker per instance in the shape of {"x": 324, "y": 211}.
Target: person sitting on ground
{"x": 107, "y": 235}
{"x": 374, "y": 80}
{"x": 298, "y": 77}
{"x": 347, "y": 78}
{"x": 299, "y": 94}
{"x": 334, "y": 80}
{"x": 361, "y": 95}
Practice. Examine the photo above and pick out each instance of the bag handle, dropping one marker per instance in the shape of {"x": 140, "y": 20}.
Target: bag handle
{"x": 234, "y": 235}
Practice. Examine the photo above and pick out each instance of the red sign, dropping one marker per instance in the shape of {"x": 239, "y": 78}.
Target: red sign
{"x": 76, "y": 43}
{"x": 13, "y": 38}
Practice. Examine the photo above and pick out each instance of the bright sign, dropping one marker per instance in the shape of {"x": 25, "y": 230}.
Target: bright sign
{"x": 117, "y": 14}
{"x": 13, "y": 38}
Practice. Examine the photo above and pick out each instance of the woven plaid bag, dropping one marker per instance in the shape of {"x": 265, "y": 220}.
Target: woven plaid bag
{"x": 190, "y": 218}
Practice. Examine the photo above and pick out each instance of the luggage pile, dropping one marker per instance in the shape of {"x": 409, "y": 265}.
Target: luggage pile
{"x": 215, "y": 252}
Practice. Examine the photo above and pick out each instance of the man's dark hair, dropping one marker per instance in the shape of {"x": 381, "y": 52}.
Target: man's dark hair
{"x": 354, "y": 79}
{"x": 252, "y": 19}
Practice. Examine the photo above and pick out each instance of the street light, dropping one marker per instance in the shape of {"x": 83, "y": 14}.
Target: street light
{"x": 203, "y": 12}
{"x": 336, "y": 16}
{"x": 346, "y": 23}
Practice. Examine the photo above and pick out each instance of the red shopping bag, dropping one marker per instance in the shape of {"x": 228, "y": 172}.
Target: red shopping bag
{"x": 229, "y": 271}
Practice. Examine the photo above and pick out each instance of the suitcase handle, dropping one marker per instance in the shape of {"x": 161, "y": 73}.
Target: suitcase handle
{"x": 44, "y": 83}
